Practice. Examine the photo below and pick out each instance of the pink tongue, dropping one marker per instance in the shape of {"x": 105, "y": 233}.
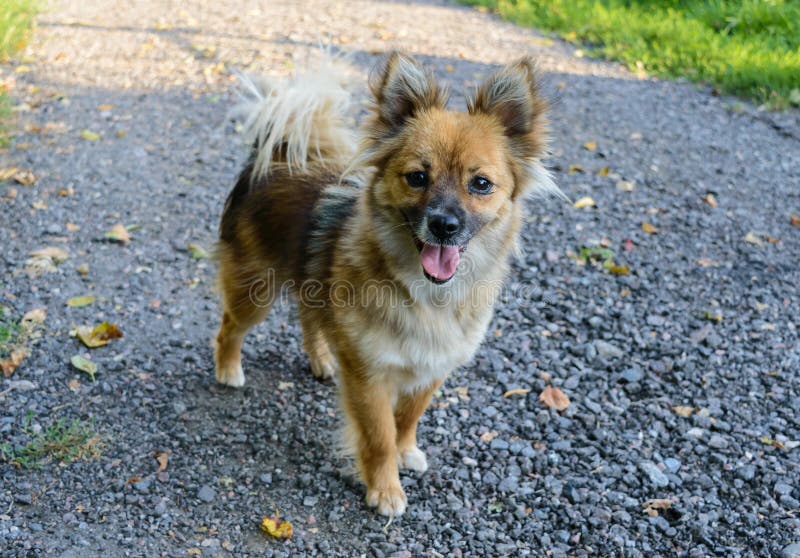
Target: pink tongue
{"x": 440, "y": 262}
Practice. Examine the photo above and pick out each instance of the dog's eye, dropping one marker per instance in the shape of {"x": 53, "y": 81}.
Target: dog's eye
{"x": 481, "y": 185}
{"x": 417, "y": 179}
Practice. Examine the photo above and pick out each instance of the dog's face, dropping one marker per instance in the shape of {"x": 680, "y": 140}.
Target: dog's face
{"x": 447, "y": 176}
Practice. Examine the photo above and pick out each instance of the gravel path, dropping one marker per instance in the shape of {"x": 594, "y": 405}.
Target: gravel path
{"x": 706, "y": 318}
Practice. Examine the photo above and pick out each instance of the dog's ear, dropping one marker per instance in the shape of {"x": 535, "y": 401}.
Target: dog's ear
{"x": 402, "y": 88}
{"x": 512, "y": 96}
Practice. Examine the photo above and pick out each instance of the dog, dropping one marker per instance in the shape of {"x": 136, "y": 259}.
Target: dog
{"x": 394, "y": 241}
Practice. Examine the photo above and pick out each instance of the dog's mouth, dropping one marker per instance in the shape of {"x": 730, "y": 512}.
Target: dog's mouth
{"x": 439, "y": 262}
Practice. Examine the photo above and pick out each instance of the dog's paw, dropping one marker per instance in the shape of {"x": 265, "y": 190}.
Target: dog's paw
{"x": 324, "y": 367}
{"x": 233, "y": 376}
{"x": 414, "y": 459}
{"x": 390, "y": 502}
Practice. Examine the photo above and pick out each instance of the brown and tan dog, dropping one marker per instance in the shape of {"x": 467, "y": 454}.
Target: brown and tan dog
{"x": 396, "y": 248}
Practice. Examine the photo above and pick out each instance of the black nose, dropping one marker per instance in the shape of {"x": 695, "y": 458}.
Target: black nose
{"x": 443, "y": 225}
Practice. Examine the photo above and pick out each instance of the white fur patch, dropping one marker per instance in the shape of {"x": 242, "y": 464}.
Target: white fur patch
{"x": 231, "y": 377}
{"x": 413, "y": 459}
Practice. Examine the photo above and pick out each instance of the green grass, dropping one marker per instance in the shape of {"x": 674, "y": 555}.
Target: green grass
{"x": 749, "y": 48}
{"x": 10, "y": 331}
{"x": 61, "y": 442}
{"x": 16, "y": 22}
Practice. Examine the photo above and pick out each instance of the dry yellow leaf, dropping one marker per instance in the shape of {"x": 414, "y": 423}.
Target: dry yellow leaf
{"x": 574, "y": 168}
{"x": 104, "y": 107}
{"x": 648, "y": 228}
{"x": 99, "y": 335}
{"x": 616, "y": 269}
{"x": 163, "y": 460}
{"x": 554, "y": 398}
{"x": 752, "y": 238}
{"x": 683, "y": 411}
{"x": 13, "y": 361}
{"x": 518, "y": 391}
{"x": 585, "y": 201}
{"x": 274, "y": 527}
{"x": 33, "y": 317}
{"x": 489, "y": 436}
{"x": 88, "y": 135}
{"x": 79, "y": 301}
{"x": 603, "y": 172}
{"x": 25, "y": 177}
{"x": 72, "y": 227}
{"x": 795, "y": 220}
{"x": 590, "y": 145}
{"x": 651, "y": 507}
{"x": 118, "y": 233}
{"x": 7, "y": 173}
{"x": 55, "y": 253}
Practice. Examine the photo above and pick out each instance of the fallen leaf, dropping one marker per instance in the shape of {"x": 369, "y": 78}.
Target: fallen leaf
{"x": 626, "y": 185}
{"x": 274, "y": 527}
{"x": 519, "y": 391}
{"x": 121, "y": 133}
{"x": 33, "y": 317}
{"x": 449, "y": 69}
{"x": 197, "y": 251}
{"x": 651, "y": 507}
{"x": 88, "y": 135}
{"x": 614, "y": 268}
{"x": 104, "y": 107}
{"x": 574, "y": 168}
{"x": 25, "y": 177}
{"x": 56, "y": 254}
{"x": 194, "y": 551}
{"x": 83, "y": 269}
{"x": 585, "y": 201}
{"x": 752, "y": 238}
{"x": 163, "y": 460}
{"x": 7, "y": 173}
{"x": 648, "y": 228}
{"x": 41, "y": 205}
{"x": 72, "y": 227}
{"x": 554, "y": 398}
{"x": 770, "y": 442}
{"x": 462, "y": 392}
{"x": 84, "y": 365}
{"x": 712, "y": 316}
{"x": 772, "y": 239}
{"x": 99, "y": 335}
{"x": 683, "y": 411}
{"x": 118, "y": 233}
{"x": 711, "y": 200}
{"x": 795, "y": 220}
{"x": 489, "y": 436}
{"x": 79, "y": 301}
{"x": 10, "y": 364}
{"x": 590, "y": 145}
{"x": 603, "y": 172}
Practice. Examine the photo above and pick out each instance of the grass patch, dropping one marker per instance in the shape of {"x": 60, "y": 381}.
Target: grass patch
{"x": 10, "y": 331}
{"x": 749, "y": 48}
{"x": 61, "y": 442}
{"x": 16, "y": 23}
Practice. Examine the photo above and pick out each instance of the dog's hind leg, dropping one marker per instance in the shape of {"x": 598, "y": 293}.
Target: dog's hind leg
{"x": 323, "y": 362}
{"x": 245, "y": 303}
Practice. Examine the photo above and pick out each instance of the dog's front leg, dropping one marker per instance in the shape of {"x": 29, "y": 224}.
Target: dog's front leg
{"x": 408, "y": 410}
{"x": 371, "y": 422}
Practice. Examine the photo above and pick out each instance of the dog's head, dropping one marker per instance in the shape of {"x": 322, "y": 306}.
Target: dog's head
{"x": 446, "y": 178}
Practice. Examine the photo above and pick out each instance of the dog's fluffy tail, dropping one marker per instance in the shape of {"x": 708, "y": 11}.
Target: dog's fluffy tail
{"x": 297, "y": 122}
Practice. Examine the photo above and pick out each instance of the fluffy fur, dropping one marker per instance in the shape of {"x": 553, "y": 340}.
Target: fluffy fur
{"x": 396, "y": 248}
